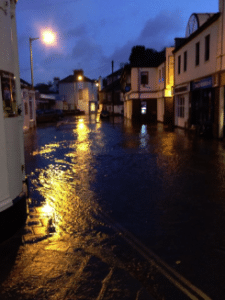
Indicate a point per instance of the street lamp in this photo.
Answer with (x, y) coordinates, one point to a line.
(31, 60)
(49, 38)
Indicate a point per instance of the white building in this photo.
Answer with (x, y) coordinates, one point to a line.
(200, 74)
(79, 92)
(12, 175)
(148, 89)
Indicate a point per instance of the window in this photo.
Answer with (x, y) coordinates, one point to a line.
(143, 107)
(144, 77)
(160, 75)
(80, 94)
(207, 47)
(179, 64)
(197, 50)
(180, 107)
(185, 61)
(163, 73)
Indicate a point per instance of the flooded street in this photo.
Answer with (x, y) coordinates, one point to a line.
(162, 190)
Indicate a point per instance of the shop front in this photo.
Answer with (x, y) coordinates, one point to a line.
(203, 106)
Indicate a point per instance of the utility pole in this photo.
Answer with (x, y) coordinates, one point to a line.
(112, 89)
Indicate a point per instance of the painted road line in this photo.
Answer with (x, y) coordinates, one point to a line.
(171, 274)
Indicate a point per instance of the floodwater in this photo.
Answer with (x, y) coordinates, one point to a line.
(166, 187)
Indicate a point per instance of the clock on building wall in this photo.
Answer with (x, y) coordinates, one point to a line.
(193, 24)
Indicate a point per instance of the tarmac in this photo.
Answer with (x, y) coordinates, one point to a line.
(37, 263)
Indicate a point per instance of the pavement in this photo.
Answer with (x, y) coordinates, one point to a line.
(37, 263)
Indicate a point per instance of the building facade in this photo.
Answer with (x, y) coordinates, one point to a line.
(79, 92)
(29, 105)
(12, 175)
(148, 90)
(200, 74)
(111, 96)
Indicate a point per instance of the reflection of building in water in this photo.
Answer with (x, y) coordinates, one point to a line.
(12, 196)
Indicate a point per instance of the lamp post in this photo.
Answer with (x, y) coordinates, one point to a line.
(31, 60)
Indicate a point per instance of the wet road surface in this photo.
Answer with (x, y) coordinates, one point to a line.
(139, 202)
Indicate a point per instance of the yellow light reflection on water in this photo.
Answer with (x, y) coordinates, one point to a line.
(66, 188)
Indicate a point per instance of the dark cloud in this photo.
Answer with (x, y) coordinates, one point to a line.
(77, 32)
(42, 5)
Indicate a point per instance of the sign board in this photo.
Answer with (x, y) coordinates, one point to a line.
(202, 84)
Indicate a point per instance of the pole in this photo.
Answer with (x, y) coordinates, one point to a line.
(31, 63)
(31, 60)
(112, 89)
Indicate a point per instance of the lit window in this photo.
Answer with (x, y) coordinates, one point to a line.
(143, 107)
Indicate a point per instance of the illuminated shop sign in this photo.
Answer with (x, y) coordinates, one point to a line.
(8, 94)
(202, 84)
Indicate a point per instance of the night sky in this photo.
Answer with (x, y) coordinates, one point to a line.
(90, 34)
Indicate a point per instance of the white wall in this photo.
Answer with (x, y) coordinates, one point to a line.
(205, 68)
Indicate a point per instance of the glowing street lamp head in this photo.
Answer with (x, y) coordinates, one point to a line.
(49, 37)
(80, 77)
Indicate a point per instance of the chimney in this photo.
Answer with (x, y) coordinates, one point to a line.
(77, 73)
(179, 42)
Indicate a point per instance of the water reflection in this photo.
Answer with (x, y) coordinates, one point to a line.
(65, 184)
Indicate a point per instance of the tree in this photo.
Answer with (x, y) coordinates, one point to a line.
(141, 57)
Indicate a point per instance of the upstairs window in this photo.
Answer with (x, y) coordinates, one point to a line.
(163, 73)
(207, 47)
(144, 77)
(179, 64)
(197, 51)
(80, 94)
(185, 61)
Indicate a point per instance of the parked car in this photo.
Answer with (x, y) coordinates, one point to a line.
(49, 115)
(104, 114)
(60, 113)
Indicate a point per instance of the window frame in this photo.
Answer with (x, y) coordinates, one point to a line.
(180, 106)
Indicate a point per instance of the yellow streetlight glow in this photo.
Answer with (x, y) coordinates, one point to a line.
(49, 37)
(80, 77)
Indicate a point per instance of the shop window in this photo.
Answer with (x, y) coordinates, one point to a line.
(144, 77)
(185, 61)
(8, 94)
(92, 108)
(207, 47)
(197, 51)
(179, 64)
(143, 107)
(180, 107)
